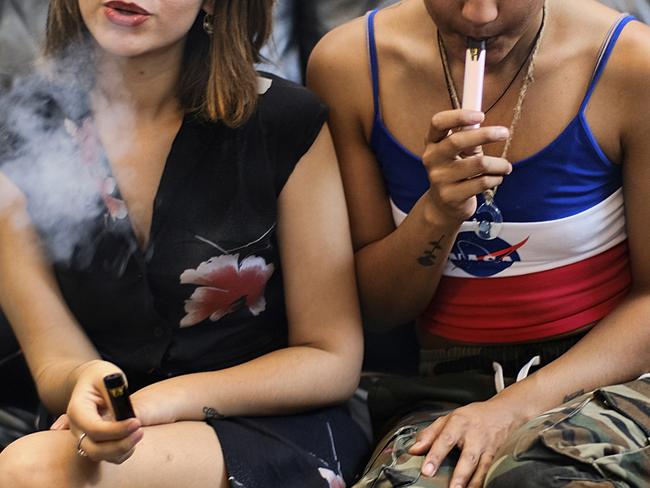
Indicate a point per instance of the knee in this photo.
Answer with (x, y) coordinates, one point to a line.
(17, 466)
(30, 463)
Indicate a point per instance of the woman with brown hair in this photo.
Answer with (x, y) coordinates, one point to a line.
(205, 256)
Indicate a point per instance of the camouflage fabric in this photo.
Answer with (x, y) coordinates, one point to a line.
(601, 439)
(392, 466)
(598, 440)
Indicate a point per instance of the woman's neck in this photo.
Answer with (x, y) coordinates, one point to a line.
(146, 85)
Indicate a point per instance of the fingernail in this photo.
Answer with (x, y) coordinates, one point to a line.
(57, 424)
(510, 169)
(429, 469)
(501, 132)
(133, 426)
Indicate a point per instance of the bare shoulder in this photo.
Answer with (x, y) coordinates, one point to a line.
(630, 57)
(627, 75)
(622, 89)
(339, 66)
(346, 46)
(344, 50)
(339, 58)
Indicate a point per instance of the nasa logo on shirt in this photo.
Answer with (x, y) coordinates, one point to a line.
(482, 258)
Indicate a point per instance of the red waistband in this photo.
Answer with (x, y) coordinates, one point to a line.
(532, 306)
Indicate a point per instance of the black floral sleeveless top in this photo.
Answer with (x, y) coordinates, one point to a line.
(207, 291)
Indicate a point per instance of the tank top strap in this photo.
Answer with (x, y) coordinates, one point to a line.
(604, 54)
(374, 64)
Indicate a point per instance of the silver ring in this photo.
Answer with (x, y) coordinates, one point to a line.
(80, 451)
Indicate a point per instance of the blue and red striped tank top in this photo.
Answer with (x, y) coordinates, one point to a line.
(556, 266)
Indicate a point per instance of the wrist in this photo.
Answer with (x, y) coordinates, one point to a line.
(434, 216)
(163, 402)
(525, 399)
(92, 367)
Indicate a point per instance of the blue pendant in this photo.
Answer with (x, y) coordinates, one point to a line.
(488, 220)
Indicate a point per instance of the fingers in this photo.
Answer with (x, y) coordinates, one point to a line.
(109, 430)
(124, 457)
(462, 142)
(426, 436)
(481, 471)
(115, 452)
(105, 439)
(444, 435)
(465, 169)
(457, 168)
(440, 449)
(443, 122)
(466, 468)
(465, 178)
(475, 186)
(85, 416)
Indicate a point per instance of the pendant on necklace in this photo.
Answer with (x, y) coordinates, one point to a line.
(488, 219)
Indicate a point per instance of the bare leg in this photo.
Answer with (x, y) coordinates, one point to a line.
(185, 454)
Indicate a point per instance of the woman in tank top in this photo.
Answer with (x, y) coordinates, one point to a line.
(563, 283)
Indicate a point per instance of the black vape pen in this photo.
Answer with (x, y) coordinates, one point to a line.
(118, 392)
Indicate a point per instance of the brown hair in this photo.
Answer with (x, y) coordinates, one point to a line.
(218, 79)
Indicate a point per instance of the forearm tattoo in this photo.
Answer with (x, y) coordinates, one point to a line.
(429, 257)
(212, 413)
(573, 396)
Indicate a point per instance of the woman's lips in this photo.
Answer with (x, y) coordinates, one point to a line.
(125, 14)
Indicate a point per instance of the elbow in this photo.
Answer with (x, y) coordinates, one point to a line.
(345, 376)
(352, 372)
(346, 385)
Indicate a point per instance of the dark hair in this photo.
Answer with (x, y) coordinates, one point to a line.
(218, 79)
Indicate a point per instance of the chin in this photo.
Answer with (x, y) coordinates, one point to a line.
(123, 46)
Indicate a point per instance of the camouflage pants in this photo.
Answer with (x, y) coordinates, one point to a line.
(599, 440)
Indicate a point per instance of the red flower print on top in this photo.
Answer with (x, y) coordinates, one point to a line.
(334, 480)
(225, 285)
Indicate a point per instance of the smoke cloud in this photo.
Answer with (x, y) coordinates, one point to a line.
(39, 117)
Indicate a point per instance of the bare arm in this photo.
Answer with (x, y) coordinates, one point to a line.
(321, 366)
(55, 347)
(616, 350)
(398, 268)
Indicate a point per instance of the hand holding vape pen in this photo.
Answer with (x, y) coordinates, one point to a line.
(474, 73)
(118, 393)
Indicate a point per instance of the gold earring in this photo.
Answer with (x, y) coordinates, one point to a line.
(207, 24)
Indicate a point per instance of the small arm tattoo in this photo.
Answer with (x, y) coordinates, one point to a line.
(212, 413)
(574, 395)
(429, 257)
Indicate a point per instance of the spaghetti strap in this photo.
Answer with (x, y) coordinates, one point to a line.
(374, 66)
(604, 54)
